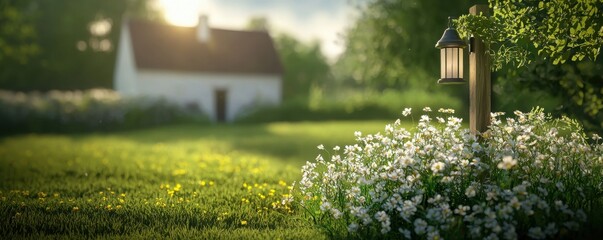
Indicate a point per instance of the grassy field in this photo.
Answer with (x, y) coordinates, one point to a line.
(221, 181)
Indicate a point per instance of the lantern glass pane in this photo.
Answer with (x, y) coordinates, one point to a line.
(443, 63)
(450, 62)
(460, 62)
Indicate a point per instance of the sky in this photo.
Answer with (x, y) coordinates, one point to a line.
(307, 20)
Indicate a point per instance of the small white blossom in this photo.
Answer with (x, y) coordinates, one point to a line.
(470, 191)
(358, 134)
(491, 196)
(560, 186)
(462, 210)
(536, 233)
(507, 163)
(406, 112)
(325, 206)
(438, 167)
(440, 120)
(405, 232)
(420, 226)
(321, 147)
(446, 110)
(336, 213)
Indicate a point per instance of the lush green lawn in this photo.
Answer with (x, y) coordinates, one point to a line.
(218, 181)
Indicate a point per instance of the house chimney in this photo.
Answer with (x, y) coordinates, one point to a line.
(203, 31)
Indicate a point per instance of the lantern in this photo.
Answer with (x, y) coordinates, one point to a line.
(451, 56)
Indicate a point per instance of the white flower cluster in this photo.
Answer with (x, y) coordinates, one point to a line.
(527, 176)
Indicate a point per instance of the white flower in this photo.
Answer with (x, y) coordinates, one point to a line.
(336, 148)
(420, 226)
(381, 216)
(447, 179)
(433, 234)
(514, 203)
(446, 110)
(536, 233)
(325, 206)
(426, 109)
(405, 232)
(507, 163)
(462, 210)
(440, 120)
(470, 191)
(560, 186)
(321, 147)
(406, 111)
(336, 213)
(490, 196)
(353, 227)
(437, 167)
(550, 229)
(357, 134)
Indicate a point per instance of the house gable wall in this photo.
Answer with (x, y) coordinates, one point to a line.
(124, 80)
(244, 92)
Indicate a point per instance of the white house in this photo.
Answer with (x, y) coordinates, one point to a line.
(223, 72)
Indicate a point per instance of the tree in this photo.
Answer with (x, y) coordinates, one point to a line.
(558, 30)
(392, 42)
(17, 41)
(304, 65)
(579, 84)
(76, 42)
(554, 43)
(259, 23)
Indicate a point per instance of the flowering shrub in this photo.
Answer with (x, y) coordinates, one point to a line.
(96, 109)
(528, 176)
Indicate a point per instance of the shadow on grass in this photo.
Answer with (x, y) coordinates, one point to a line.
(291, 142)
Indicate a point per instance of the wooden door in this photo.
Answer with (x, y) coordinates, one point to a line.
(220, 100)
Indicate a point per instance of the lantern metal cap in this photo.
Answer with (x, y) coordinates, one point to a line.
(450, 38)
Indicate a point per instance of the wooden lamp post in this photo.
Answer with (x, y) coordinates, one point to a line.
(479, 71)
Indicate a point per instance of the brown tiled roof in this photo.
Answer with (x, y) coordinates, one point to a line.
(160, 46)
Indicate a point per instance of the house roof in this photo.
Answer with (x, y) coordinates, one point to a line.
(160, 46)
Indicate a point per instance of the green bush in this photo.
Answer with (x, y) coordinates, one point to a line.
(350, 105)
(527, 176)
(91, 110)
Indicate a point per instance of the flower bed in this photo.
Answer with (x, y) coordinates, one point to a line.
(528, 176)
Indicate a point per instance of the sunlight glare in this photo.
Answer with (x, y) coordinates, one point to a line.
(180, 12)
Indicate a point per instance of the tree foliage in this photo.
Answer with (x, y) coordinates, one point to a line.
(304, 64)
(17, 39)
(392, 42)
(519, 31)
(74, 41)
(555, 43)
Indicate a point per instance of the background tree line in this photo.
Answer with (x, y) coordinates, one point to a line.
(62, 44)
